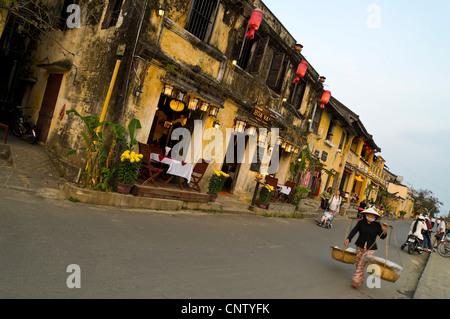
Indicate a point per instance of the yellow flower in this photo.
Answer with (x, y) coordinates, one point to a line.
(217, 172)
(224, 174)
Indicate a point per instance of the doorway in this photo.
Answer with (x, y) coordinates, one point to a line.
(170, 115)
(48, 106)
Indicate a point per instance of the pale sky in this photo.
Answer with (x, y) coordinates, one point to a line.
(389, 62)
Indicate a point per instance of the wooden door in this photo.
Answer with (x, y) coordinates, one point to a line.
(48, 106)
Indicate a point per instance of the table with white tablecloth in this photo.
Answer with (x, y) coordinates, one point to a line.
(176, 167)
(286, 190)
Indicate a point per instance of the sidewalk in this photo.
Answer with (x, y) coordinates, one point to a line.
(27, 167)
(435, 280)
(30, 169)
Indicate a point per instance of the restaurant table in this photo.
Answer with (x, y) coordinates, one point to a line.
(286, 190)
(176, 167)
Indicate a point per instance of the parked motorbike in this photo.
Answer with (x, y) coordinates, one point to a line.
(22, 125)
(414, 244)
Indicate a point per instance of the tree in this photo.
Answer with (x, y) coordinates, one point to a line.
(426, 202)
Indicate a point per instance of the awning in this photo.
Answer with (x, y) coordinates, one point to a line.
(60, 66)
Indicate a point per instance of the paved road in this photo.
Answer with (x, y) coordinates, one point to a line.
(141, 254)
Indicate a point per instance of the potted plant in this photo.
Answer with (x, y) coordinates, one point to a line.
(130, 163)
(216, 183)
(265, 195)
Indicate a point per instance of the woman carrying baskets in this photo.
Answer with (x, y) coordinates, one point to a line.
(369, 228)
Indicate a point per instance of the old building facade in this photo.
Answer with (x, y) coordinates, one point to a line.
(190, 64)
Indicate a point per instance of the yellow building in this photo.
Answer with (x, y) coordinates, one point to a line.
(192, 66)
(341, 141)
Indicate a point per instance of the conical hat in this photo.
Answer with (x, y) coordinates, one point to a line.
(370, 211)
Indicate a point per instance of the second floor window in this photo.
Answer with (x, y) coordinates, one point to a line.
(331, 130)
(298, 92)
(316, 119)
(276, 71)
(112, 13)
(202, 17)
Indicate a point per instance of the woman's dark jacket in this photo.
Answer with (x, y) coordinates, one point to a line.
(367, 234)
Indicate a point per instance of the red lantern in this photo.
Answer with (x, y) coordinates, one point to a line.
(301, 71)
(254, 23)
(325, 98)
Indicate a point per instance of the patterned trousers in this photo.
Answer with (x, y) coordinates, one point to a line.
(361, 254)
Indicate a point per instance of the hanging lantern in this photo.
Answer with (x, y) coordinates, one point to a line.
(325, 98)
(181, 95)
(240, 126)
(213, 111)
(254, 23)
(289, 148)
(251, 131)
(262, 137)
(204, 107)
(193, 102)
(168, 89)
(301, 71)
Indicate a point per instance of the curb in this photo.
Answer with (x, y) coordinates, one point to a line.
(431, 285)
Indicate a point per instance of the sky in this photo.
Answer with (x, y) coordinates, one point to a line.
(389, 62)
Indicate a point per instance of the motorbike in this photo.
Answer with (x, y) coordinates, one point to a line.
(22, 125)
(414, 245)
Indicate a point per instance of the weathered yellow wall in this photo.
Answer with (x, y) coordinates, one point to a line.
(3, 17)
(183, 51)
(335, 159)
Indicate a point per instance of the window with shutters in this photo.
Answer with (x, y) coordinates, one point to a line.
(298, 92)
(277, 68)
(201, 19)
(258, 56)
(331, 130)
(112, 13)
(316, 120)
(246, 51)
(341, 143)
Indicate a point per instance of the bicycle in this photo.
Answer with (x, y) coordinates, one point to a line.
(22, 125)
(444, 246)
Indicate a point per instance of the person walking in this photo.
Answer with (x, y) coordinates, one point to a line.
(440, 231)
(426, 244)
(362, 207)
(325, 197)
(369, 228)
(335, 202)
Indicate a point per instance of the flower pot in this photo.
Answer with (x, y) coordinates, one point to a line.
(262, 205)
(124, 188)
(212, 197)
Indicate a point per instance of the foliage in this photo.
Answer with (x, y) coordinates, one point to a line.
(217, 181)
(299, 191)
(98, 170)
(265, 194)
(130, 163)
(307, 162)
(402, 213)
(426, 203)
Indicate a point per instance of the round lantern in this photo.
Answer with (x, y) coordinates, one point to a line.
(301, 71)
(254, 23)
(325, 98)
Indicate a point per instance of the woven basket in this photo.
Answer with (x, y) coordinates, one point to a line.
(389, 271)
(343, 255)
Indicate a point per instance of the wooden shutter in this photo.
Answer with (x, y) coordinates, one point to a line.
(258, 55)
(298, 93)
(275, 71)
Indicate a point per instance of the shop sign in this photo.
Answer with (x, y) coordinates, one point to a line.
(262, 116)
